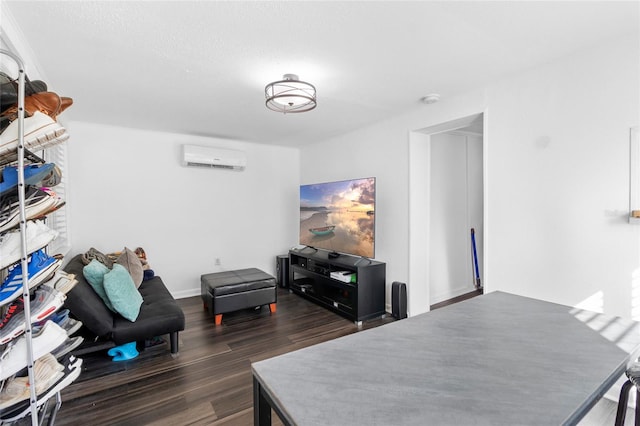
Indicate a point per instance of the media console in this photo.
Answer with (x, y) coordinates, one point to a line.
(352, 286)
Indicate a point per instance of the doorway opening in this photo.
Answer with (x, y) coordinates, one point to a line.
(447, 190)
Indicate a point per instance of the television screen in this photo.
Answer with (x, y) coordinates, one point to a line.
(339, 216)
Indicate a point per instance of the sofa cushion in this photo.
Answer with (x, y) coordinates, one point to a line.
(159, 314)
(132, 264)
(85, 304)
(94, 273)
(122, 292)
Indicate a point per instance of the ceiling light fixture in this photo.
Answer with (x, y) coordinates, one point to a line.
(290, 95)
(431, 98)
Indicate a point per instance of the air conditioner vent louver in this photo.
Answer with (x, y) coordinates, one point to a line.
(213, 158)
(210, 166)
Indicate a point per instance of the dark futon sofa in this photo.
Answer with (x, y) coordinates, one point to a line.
(159, 313)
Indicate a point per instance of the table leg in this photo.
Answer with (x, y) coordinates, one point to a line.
(261, 407)
(622, 403)
(637, 419)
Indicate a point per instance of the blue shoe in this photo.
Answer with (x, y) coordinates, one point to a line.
(39, 266)
(33, 174)
(124, 352)
(59, 317)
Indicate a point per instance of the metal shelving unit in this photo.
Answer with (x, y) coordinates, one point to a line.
(24, 252)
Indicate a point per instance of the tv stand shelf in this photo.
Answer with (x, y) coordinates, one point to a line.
(359, 299)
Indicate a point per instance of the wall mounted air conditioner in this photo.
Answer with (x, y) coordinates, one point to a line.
(210, 157)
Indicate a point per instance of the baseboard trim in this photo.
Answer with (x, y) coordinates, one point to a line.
(183, 294)
(451, 294)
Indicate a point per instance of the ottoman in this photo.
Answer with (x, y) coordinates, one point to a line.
(234, 290)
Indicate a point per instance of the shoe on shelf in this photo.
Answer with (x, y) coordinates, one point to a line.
(40, 132)
(69, 325)
(70, 344)
(38, 202)
(72, 367)
(33, 174)
(52, 179)
(39, 267)
(14, 357)
(59, 203)
(47, 372)
(14, 329)
(48, 103)
(12, 286)
(38, 235)
(9, 89)
(61, 318)
(42, 267)
(62, 281)
(15, 309)
(44, 304)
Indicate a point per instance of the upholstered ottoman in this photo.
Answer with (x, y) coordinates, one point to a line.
(234, 290)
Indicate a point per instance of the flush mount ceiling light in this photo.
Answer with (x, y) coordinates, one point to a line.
(431, 98)
(290, 95)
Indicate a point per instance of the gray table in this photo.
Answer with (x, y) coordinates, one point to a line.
(497, 359)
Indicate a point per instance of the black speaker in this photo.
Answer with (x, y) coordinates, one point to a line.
(282, 270)
(399, 300)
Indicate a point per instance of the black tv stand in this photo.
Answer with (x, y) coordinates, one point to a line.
(363, 259)
(345, 285)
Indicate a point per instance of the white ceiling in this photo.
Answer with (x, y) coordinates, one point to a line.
(200, 67)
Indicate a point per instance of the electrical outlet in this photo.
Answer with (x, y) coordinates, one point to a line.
(217, 261)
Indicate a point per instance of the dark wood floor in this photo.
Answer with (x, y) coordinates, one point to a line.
(210, 382)
(465, 296)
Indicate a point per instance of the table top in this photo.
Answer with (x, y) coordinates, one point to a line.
(497, 359)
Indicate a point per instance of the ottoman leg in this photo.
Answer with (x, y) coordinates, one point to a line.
(208, 303)
(218, 319)
(272, 307)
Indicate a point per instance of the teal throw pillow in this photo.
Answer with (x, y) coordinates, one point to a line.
(94, 273)
(122, 292)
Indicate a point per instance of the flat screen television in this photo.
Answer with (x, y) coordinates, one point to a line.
(339, 216)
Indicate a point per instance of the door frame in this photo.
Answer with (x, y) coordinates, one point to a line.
(418, 286)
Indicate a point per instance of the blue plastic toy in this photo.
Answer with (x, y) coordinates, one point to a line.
(124, 352)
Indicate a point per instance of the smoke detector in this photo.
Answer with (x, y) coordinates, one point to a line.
(431, 98)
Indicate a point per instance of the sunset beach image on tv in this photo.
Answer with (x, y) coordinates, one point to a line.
(339, 216)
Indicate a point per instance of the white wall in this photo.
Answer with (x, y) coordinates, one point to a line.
(556, 154)
(455, 207)
(127, 188)
(370, 155)
(559, 179)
